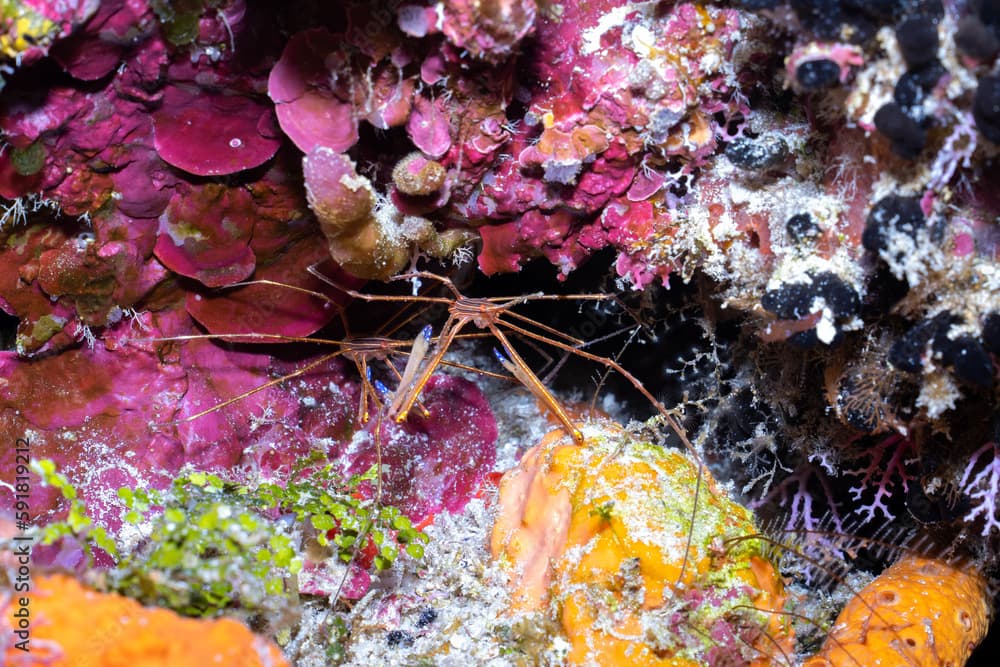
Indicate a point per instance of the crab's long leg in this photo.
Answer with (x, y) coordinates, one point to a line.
(615, 366)
(243, 338)
(547, 329)
(377, 297)
(271, 383)
(366, 389)
(523, 373)
(293, 288)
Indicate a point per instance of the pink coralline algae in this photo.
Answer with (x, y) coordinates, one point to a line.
(561, 155)
(283, 311)
(606, 114)
(183, 169)
(29, 28)
(146, 176)
(57, 280)
(213, 135)
(309, 112)
(115, 415)
(151, 104)
(87, 274)
(490, 30)
(429, 127)
(205, 234)
(438, 461)
(617, 122)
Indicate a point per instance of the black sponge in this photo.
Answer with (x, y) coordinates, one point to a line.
(986, 107)
(817, 74)
(906, 135)
(918, 40)
(974, 38)
(892, 214)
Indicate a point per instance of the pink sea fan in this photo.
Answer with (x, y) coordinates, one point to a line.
(886, 468)
(982, 484)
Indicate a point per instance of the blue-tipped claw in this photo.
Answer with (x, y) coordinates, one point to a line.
(382, 390)
(500, 357)
(427, 332)
(368, 373)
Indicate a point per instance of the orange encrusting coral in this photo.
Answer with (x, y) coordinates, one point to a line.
(598, 534)
(73, 626)
(921, 612)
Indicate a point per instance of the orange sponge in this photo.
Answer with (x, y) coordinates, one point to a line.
(919, 612)
(600, 535)
(73, 626)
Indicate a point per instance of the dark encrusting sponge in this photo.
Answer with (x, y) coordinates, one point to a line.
(891, 215)
(986, 107)
(918, 40)
(801, 228)
(757, 154)
(966, 356)
(817, 74)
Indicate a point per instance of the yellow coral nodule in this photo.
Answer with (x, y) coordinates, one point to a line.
(25, 29)
(604, 535)
(418, 176)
